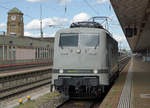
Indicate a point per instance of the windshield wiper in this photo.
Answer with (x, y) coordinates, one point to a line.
(61, 47)
(96, 45)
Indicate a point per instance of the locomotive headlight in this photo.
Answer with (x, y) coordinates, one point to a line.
(95, 71)
(78, 51)
(61, 71)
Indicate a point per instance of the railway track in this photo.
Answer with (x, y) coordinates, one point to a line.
(12, 85)
(11, 67)
(23, 88)
(78, 104)
(13, 91)
(123, 62)
(92, 103)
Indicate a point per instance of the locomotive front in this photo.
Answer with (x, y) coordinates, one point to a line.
(80, 67)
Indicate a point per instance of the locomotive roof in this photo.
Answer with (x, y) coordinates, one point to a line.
(87, 29)
(86, 24)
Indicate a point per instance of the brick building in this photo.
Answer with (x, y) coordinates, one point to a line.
(15, 46)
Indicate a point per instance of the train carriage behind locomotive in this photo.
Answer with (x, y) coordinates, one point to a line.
(85, 59)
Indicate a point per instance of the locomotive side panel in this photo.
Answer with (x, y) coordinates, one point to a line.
(112, 47)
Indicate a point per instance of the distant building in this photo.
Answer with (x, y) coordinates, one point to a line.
(15, 46)
(15, 24)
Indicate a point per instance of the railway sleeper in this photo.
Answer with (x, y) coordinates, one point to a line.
(23, 88)
(14, 87)
(11, 83)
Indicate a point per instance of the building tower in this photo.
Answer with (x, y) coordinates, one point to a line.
(15, 25)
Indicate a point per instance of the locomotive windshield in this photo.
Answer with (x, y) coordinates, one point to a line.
(89, 40)
(68, 40)
(72, 40)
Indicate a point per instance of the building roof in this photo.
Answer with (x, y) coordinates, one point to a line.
(15, 10)
(25, 42)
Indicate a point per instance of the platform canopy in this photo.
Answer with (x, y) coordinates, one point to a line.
(134, 17)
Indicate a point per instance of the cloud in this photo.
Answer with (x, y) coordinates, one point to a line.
(122, 42)
(35, 23)
(81, 17)
(119, 38)
(61, 2)
(53, 34)
(49, 35)
(101, 1)
(36, 0)
(30, 34)
(2, 25)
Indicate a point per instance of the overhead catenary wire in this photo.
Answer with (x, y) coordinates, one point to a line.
(90, 6)
(6, 8)
(7, 2)
(65, 7)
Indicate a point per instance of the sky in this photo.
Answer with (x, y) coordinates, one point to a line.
(60, 13)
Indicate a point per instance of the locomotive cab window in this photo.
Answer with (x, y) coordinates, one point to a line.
(89, 40)
(68, 40)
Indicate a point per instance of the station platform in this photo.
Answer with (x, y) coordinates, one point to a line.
(23, 71)
(132, 88)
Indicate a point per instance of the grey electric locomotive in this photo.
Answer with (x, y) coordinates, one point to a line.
(85, 60)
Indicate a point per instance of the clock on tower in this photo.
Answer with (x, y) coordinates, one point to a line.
(13, 17)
